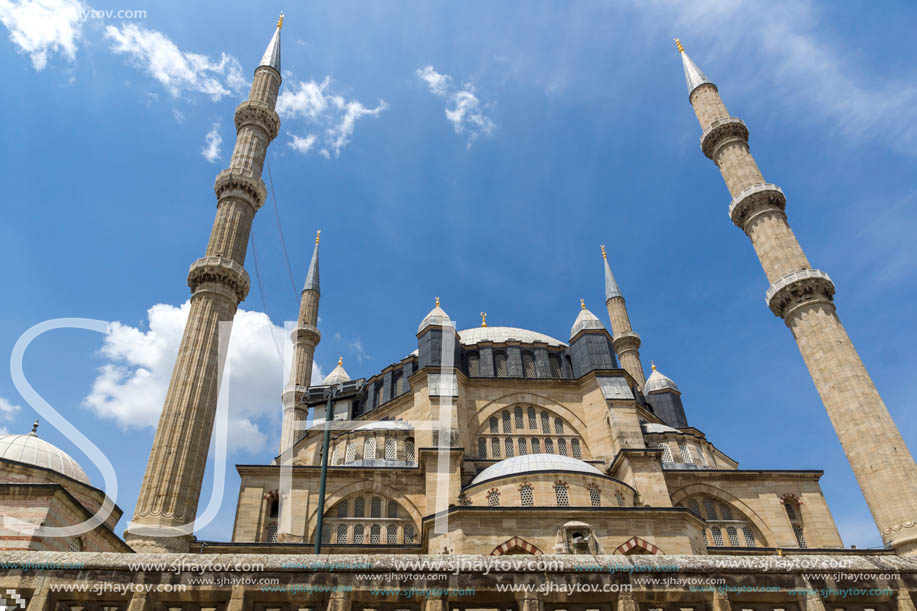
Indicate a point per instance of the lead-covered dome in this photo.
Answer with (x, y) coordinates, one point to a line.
(499, 335)
(658, 382)
(337, 376)
(585, 320)
(29, 449)
(437, 317)
(533, 463)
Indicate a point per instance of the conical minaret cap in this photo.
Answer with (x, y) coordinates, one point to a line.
(694, 78)
(312, 283)
(272, 53)
(659, 382)
(611, 287)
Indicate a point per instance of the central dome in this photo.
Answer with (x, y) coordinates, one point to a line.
(533, 463)
(499, 335)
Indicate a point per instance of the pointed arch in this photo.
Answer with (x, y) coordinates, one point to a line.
(517, 545)
(679, 496)
(636, 545)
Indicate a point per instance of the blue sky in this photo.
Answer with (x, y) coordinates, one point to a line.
(476, 151)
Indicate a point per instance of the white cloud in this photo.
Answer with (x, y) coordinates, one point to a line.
(43, 27)
(438, 83)
(176, 70)
(316, 105)
(7, 411)
(463, 108)
(131, 386)
(302, 145)
(179, 116)
(212, 143)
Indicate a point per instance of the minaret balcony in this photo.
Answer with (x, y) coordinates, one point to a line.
(260, 114)
(237, 185)
(753, 201)
(720, 132)
(219, 270)
(797, 288)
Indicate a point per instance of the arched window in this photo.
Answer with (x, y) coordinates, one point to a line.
(409, 450)
(76, 544)
(619, 498)
(342, 533)
(554, 362)
(733, 536)
(708, 507)
(693, 506)
(790, 511)
(326, 534)
(533, 423)
(517, 413)
(666, 453)
(545, 423)
(595, 496)
(474, 364)
(358, 507)
(563, 495)
(562, 447)
(392, 509)
(342, 509)
(369, 449)
(391, 450)
(493, 498)
(358, 534)
(375, 507)
(391, 534)
(500, 364)
(375, 535)
(577, 452)
(351, 454)
(800, 536)
(685, 453)
(508, 444)
(536, 446)
(398, 383)
(495, 448)
(726, 511)
(493, 425)
(528, 364)
(717, 536)
(507, 425)
(558, 426)
(525, 495)
(357, 408)
(409, 533)
(482, 447)
(549, 446)
(522, 449)
(749, 536)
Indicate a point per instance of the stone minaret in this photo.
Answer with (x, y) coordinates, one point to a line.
(172, 483)
(625, 342)
(305, 338)
(803, 297)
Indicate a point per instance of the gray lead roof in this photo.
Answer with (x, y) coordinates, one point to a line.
(312, 275)
(611, 287)
(272, 53)
(694, 78)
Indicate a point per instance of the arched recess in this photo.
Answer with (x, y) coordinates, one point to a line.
(635, 546)
(719, 494)
(368, 488)
(515, 546)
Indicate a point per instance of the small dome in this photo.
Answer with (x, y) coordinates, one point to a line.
(585, 320)
(31, 450)
(437, 316)
(385, 425)
(499, 335)
(337, 375)
(658, 382)
(533, 463)
(652, 427)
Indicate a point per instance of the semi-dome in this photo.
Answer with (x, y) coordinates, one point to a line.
(658, 382)
(534, 463)
(585, 320)
(437, 316)
(337, 375)
(499, 335)
(29, 449)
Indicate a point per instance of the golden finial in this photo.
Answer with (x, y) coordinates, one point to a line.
(340, 361)
(604, 256)
(280, 22)
(681, 49)
(653, 365)
(437, 302)
(483, 319)
(318, 234)
(582, 304)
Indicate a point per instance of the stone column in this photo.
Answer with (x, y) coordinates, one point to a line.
(803, 297)
(175, 470)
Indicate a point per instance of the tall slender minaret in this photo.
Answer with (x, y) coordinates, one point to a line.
(803, 297)
(172, 483)
(305, 338)
(625, 342)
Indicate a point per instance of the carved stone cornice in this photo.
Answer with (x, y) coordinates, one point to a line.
(796, 288)
(720, 132)
(292, 396)
(627, 341)
(240, 186)
(260, 114)
(886, 533)
(305, 333)
(755, 200)
(221, 271)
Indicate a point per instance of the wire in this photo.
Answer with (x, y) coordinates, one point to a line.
(283, 243)
(270, 323)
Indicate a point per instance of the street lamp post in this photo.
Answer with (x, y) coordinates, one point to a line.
(326, 441)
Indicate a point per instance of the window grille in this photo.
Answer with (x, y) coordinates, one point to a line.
(474, 364)
(508, 444)
(507, 427)
(518, 416)
(711, 511)
(391, 450)
(549, 446)
(619, 498)
(358, 507)
(409, 533)
(558, 426)
(800, 536)
(342, 533)
(375, 535)
(351, 454)
(336, 456)
(326, 534)
(76, 544)
(523, 450)
(693, 506)
(358, 534)
(536, 446)
(482, 447)
(493, 498)
(577, 452)
(369, 449)
(555, 366)
(595, 497)
(685, 454)
(500, 364)
(562, 447)
(790, 511)
(392, 509)
(545, 423)
(717, 536)
(375, 507)
(409, 450)
(563, 495)
(733, 536)
(399, 384)
(704, 532)
(528, 364)
(493, 425)
(749, 536)
(525, 494)
(391, 535)
(726, 510)
(533, 423)
(666, 453)
(342, 509)
(271, 535)
(495, 448)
